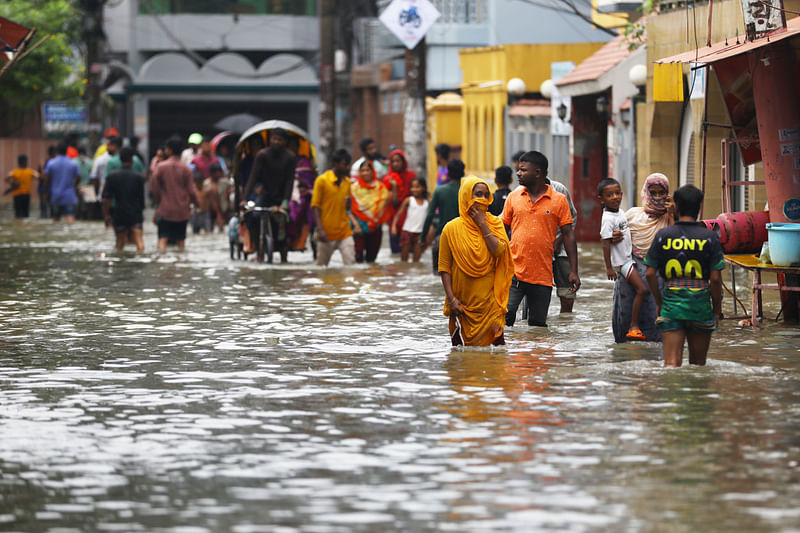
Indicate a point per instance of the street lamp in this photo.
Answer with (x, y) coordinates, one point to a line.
(515, 87)
(562, 111)
(546, 88)
(516, 90)
(638, 75)
(601, 106)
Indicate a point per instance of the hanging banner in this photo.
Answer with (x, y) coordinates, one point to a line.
(410, 20)
(736, 83)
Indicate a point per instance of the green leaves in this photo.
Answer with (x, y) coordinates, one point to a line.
(54, 70)
(635, 32)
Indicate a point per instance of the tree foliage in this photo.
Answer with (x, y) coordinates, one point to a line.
(54, 70)
(636, 32)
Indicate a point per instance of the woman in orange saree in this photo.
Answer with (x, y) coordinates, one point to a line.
(369, 210)
(476, 268)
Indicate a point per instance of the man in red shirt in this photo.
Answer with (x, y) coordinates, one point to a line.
(173, 189)
(534, 212)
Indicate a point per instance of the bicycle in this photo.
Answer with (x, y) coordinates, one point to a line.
(266, 241)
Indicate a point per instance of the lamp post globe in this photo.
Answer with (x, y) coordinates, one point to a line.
(515, 87)
(638, 75)
(546, 88)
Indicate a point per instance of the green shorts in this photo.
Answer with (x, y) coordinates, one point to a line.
(669, 324)
(686, 309)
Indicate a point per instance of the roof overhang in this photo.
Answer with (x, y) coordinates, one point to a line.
(530, 108)
(613, 76)
(734, 47)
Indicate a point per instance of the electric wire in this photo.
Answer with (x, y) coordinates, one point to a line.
(767, 4)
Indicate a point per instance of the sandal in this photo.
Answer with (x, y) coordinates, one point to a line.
(636, 334)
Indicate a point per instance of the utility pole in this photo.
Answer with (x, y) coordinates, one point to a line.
(95, 39)
(327, 87)
(414, 128)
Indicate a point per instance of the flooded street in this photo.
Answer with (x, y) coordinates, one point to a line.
(185, 392)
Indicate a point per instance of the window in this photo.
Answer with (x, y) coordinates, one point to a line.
(385, 102)
(462, 11)
(396, 102)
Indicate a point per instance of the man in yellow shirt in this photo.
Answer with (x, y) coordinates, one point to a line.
(19, 181)
(329, 205)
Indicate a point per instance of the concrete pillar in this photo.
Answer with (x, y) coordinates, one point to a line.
(499, 129)
(481, 144)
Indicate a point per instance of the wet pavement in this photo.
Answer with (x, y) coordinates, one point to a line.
(185, 392)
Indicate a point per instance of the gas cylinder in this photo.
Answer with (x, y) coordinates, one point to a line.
(742, 232)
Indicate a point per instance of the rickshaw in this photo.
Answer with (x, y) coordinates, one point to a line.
(298, 226)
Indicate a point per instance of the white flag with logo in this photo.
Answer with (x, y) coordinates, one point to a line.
(410, 20)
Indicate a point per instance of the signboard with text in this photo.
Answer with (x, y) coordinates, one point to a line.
(61, 118)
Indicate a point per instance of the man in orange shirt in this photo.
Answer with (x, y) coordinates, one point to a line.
(19, 181)
(534, 213)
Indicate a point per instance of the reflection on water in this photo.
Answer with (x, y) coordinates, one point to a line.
(187, 392)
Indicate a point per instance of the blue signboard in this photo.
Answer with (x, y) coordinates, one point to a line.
(61, 118)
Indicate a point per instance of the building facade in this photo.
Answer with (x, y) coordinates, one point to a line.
(190, 63)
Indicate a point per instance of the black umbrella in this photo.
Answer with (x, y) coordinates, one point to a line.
(238, 123)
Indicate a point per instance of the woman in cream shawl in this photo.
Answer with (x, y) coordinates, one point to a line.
(476, 268)
(656, 212)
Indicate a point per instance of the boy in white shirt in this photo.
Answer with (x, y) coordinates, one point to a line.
(617, 255)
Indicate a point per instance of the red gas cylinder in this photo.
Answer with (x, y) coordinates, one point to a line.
(741, 232)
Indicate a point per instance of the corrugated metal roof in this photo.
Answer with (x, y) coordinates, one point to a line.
(598, 63)
(733, 47)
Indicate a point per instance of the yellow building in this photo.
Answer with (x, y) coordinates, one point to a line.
(444, 126)
(486, 71)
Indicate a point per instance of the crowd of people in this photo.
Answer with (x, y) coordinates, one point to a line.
(492, 250)
(495, 251)
(185, 184)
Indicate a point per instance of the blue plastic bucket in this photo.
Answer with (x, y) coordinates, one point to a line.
(784, 243)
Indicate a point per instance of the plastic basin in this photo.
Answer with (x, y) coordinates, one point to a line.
(784, 243)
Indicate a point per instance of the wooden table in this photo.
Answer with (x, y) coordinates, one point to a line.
(752, 263)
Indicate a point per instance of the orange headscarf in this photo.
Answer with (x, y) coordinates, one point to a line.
(468, 246)
(369, 200)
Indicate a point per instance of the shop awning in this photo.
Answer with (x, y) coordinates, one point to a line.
(733, 46)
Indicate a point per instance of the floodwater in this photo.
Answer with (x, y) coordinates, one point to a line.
(185, 392)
